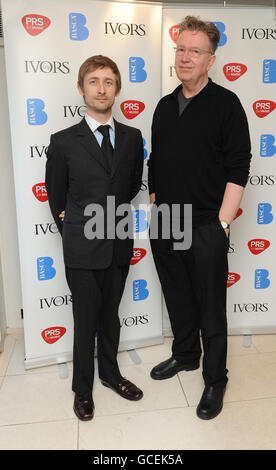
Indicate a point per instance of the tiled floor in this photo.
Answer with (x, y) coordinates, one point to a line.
(36, 405)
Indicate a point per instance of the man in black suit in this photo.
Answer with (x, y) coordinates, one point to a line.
(87, 163)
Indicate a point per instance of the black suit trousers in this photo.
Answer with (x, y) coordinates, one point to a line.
(194, 284)
(96, 295)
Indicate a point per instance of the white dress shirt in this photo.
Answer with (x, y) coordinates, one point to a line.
(93, 124)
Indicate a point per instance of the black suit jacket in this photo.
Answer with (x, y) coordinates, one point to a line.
(77, 175)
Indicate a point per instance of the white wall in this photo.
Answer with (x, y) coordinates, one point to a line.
(8, 226)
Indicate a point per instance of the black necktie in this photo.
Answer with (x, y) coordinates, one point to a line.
(106, 144)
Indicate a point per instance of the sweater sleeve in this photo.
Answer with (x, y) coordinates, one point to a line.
(236, 144)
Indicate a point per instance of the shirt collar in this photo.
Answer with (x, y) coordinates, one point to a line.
(209, 89)
(93, 124)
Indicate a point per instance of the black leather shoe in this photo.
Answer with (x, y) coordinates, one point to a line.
(170, 367)
(83, 407)
(211, 402)
(125, 389)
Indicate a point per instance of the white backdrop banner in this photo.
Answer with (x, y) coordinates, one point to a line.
(45, 44)
(246, 64)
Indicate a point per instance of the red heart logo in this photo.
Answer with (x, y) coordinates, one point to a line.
(132, 108)
(53, 334)
(138, 254)
(39, 190)
(174, 32)
(258, 245)
(234, 70)
(232, 279)
(263, 107)
(34, 24)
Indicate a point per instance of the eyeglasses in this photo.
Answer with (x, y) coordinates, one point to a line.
(193, 52)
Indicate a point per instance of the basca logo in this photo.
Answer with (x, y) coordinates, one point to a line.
(262, 180)
(138, 254)
(39, 191)
(221, 28)
(53, 334)
(77, 29)
(124, 29)
(134, 321)
(45, 268)
(57, 301)
(145, 150)
(234, 70)
(139, 290)
(232, 279)
(36, 115)
(269, 71)
(258, 245)
(131, 108)
(137, 72)
(264, 215)
(46, 66)
(258, 33)
(35, 24)
(267, 147)
(140, 223)
(252, 307)
(261, 279)
(263, 107)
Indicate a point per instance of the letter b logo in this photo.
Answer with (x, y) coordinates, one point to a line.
(77, 30)
(221, 28)
(137, 72)
(36, 115)
(267, 147)
(140, 291)
(45, 268)
(140, 223)
(261, 279)
(265, 215)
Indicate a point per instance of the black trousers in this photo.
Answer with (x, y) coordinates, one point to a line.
(194, 284)
(96, 295)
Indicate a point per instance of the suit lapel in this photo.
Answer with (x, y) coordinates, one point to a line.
(90, 143)
(120, 141)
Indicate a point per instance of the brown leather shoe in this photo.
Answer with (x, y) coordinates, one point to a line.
(84, 407)
(126, 389)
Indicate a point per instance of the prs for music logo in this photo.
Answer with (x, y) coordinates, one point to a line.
(53, 334)
(232, 279)
(35, 24)
(234, 70)
(138, 254)
(263, 107)
(131, 108)
(258, 245)
(39, 191)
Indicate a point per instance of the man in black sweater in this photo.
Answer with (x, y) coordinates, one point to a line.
(200, 156)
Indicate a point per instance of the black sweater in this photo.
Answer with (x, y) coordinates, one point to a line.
(194, 155)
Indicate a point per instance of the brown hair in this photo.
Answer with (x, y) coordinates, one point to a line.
(193, 23)
(95, 62)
